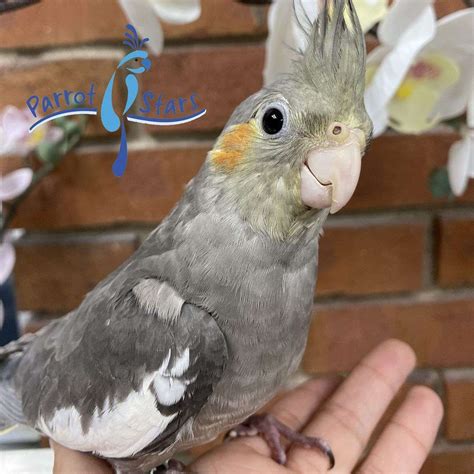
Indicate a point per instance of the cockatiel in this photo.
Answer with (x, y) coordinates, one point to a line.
(205, 322)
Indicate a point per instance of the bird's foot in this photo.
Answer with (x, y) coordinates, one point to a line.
(172, 466)
(271, 430)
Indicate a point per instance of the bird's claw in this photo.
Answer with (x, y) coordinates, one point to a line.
(271, 430)
(172, 466)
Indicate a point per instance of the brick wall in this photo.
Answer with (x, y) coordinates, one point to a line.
(395, 263)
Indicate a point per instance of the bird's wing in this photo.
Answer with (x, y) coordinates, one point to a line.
(11, 410)
(120, 374)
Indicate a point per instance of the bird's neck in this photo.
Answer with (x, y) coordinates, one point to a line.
(266, 211)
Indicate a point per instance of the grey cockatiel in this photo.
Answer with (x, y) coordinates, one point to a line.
(206, 321)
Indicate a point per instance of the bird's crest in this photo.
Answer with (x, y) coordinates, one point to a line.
(132, 40)
(335, 45)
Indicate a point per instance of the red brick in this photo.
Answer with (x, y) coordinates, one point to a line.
(371, 258)
(440, 332)
(459, 389)
(46, 77)
(55, 276)
(445, 7)
(456, 251)
(396, 171)
(451, 461)
(221, 19)
(62, 22)
(220, 76)
(84, 192)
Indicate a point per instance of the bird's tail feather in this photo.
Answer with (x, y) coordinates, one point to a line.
(11, 411)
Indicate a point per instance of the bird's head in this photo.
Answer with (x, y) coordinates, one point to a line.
(292, 152)
(137, 60)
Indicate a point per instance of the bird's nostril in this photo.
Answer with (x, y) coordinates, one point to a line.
(338, 132)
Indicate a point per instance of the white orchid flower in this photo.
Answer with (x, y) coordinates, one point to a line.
(15, 138)
(421, 73)
(145, 15)
(11, 186)
(15, 183)
(285, 36)
(461, 154)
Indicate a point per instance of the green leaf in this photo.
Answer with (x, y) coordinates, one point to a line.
(71, 127)
(72, 131)
(439, 184)
(457, 123)
(50, 152)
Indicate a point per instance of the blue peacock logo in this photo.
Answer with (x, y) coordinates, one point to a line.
(155, 108)
(136, 62)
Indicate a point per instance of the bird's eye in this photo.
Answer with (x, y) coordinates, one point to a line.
(274, 119)
(136, 60)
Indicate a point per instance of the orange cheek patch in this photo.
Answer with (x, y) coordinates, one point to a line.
(231, 148)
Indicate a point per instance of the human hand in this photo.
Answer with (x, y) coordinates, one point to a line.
(343, 414)
(67, 461)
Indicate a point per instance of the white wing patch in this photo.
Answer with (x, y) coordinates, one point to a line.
(158, 297)
(124, 428)
(169, 389)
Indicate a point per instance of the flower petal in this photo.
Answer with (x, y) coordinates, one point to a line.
(7, 261)
(12, 235)
(14, 183)
(454, 40)
(14, 131)
(370, 12)
(177, 12)
(401, 17)
(408, 35)
(285, 37)
(54, 134)
(461, 155)
(470, 107)
(15, 124)
(141, 14)
(412, 115)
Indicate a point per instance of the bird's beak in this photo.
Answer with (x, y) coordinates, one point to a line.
(330, 174)
(146, 63)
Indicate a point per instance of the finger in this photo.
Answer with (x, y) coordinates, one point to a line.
(348, 418)
(408, 437)
(67, 461)
(295, 408)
